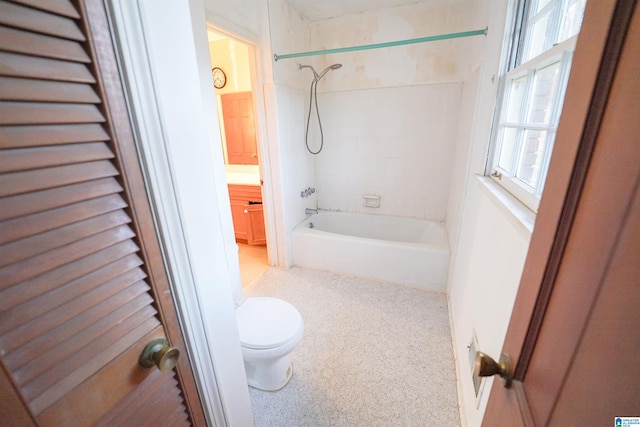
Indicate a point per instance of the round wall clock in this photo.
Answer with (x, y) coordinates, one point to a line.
(219, 77)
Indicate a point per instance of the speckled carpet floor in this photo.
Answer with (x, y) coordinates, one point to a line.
(372, 354)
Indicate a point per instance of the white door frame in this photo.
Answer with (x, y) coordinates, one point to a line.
(258, 99)
(160, 45)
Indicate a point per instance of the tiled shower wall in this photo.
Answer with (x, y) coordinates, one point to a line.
(390, 115)
(395, 142)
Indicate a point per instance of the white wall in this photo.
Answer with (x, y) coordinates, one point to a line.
(296, 166)
(488, 246)
(289, 33)
(483, 285)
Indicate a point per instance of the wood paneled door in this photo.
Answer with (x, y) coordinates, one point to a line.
(239, 128)
(83, 286)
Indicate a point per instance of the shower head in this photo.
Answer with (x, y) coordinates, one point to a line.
(326, 70)
(316, 76)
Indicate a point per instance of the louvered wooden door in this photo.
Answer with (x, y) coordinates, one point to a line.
(82, 284)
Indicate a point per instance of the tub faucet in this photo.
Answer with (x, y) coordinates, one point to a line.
(309, 211)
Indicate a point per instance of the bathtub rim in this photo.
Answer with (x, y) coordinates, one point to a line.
(441, 244)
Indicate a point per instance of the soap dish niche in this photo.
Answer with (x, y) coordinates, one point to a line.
(371, 201)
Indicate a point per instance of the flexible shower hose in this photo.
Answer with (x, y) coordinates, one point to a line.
(313, 95)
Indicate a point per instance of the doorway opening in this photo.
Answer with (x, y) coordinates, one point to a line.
(234, 77)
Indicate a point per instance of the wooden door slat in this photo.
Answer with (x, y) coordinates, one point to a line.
(164, 401)
(122, 376)
(20, 41)
(15, 89)
(126, 408)
(183, 421)
(174, 405)
(33, 267)
(12, 408)
(86, 325)
(33, 308)
(179, 418)
(28, 350)
(26, 248)
(60, 7)
(32, 136)
(102, 355)
(16, 159)
(24, 182)
(56, 364)
(27, 204)
(41, 222)
(34, 113)
(38, 21)
(19, 336)
(53, 279)
(17, 65)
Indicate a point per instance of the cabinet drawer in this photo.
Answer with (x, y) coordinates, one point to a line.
(250, 193)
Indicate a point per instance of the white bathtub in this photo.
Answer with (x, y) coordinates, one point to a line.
(406, 251)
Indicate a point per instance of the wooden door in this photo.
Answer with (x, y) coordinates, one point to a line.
(574, 330)
(238, 216)
(239, 128)
(83, 287)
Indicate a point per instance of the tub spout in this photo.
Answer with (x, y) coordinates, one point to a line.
(310, 211)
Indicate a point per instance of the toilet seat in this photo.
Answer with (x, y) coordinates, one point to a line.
(265, 323)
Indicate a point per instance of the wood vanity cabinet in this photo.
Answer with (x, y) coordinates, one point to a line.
(247, 214)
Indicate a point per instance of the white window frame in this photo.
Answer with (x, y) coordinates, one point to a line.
(527, 193)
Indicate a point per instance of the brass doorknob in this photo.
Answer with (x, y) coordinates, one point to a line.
(485, 366)
(159, 353)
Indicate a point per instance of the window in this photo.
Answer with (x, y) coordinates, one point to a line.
(533, 87)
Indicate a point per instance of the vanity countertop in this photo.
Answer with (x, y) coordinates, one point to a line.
(235, 178)
(243, 174)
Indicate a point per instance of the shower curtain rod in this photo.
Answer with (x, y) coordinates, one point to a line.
(380, 45)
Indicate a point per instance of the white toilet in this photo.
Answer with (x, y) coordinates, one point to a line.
(269, 329)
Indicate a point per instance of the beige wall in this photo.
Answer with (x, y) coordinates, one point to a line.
(232, 57)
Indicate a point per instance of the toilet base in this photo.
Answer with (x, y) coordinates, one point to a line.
(269, 375)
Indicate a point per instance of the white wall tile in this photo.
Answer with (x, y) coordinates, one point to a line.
(399, 146)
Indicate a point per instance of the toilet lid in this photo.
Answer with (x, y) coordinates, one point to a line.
(267, 322)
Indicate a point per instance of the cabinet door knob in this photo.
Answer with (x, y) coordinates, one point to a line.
(246, 211)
